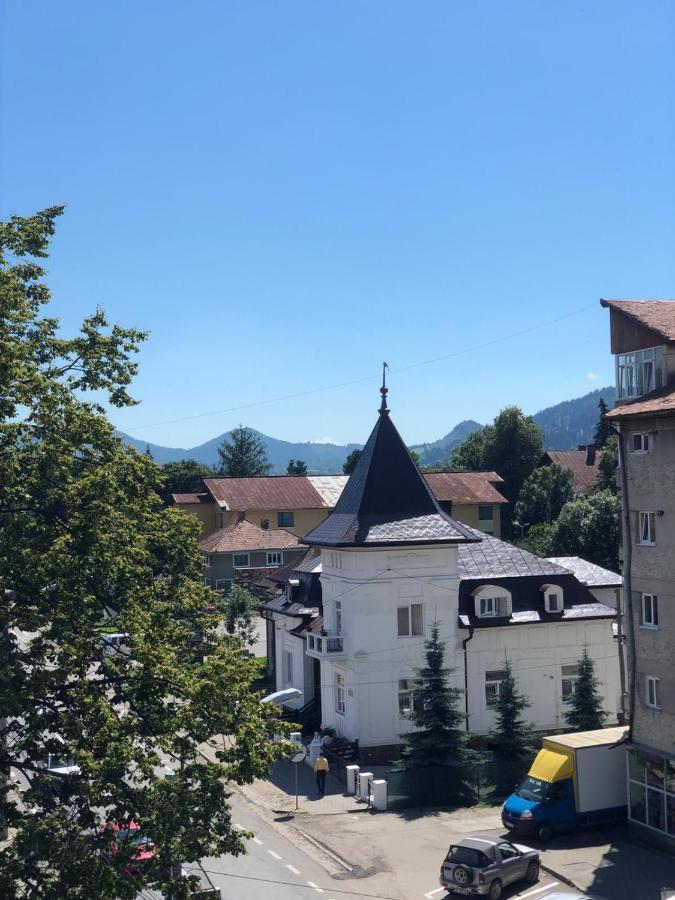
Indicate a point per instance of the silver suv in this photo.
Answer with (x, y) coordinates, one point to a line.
(482, 865)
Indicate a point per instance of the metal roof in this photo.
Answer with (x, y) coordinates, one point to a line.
(587, 572)
(267, 492)
(494, 558)
(465, 487)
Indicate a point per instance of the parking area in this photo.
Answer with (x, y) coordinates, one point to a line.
(546, 883)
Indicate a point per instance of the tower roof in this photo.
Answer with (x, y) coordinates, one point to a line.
(386, 501)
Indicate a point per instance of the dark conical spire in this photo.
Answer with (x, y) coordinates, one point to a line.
(386, 500)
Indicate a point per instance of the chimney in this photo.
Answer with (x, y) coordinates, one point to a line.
(590, 455)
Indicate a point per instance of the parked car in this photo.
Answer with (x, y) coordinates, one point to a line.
(114, 644)
(481, 865)
(142, 846)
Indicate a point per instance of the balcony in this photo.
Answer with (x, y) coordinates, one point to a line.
(325, 646)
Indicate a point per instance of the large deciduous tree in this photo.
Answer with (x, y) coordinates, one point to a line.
(543, 494)
(186, 476)
(85, 539)
(242, 454)
(589, 527)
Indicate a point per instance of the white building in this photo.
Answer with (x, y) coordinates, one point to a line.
(391, 563)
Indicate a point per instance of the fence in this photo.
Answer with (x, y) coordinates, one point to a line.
(480, 777)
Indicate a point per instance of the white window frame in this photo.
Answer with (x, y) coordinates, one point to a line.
(278, 561)
(570, 677)
(642, 439)
(652, 692)
(406, 697)
(207, 582)
(647, 529)
(553, 590)
(494, 678)
(650, 611)
(286, 512)
(492, 602)
(642, 372)
(240, 565)
(224, 585)
(288, 667)
(412, 621)
(340, 693)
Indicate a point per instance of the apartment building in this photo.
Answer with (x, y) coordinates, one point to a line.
(643, 343)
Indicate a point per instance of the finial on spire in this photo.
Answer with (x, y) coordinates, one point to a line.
(384, 390)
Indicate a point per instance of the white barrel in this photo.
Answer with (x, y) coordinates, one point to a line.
(352, 777)
(379, 794)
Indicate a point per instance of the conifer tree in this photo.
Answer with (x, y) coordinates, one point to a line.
(242, 454)
(604, 429)
(512, 736)
(296, 467)
(585, 712)
(440, 738)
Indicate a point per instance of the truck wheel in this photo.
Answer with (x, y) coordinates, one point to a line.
(532, 873)
(544, 832)
(495, 890)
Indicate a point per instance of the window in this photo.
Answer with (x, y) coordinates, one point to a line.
(493, 686)
(652, 692)
(274, 558)
(638, 373)
(285, 519)
(569, 678)
(340, 693)
(406, 697)
(337, 617)
(288, 667)
(224, 585)
(493, 606)
(207, 582)
(639, 442)
(410, 620)
(647, 528)
(485, 513)
(240, 560)
(650, 611)
(553, 599)
(205, 559)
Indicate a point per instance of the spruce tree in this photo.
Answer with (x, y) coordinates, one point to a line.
(440, 738)
(296, 467)
(585, 712)
(242, 454)
(512, 736)
(604, 429)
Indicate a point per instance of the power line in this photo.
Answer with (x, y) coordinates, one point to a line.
(361, 380)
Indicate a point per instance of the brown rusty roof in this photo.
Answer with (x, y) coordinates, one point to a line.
(266, 492)
(244, 536)
(190, 498)
(465, 487)
(658, 315)
(583, 475)
(657, 403)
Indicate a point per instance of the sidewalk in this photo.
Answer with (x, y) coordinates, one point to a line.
(278, 793)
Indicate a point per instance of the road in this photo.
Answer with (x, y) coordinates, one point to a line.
(275, 868)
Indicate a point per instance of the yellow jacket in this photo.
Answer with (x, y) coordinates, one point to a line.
(321, 764)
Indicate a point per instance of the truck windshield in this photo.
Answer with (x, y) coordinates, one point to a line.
(533, 789)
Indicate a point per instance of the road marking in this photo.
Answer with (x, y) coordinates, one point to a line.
(316, 887)
(293, 869)
(538, 890)
(257, 841)
(433, 893)
(275, 855)
(238, 826)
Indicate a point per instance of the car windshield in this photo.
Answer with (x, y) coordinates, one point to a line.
(134, 835)
(533, 788)
(467, 856)
(61, 762)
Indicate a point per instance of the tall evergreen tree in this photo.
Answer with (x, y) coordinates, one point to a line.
(296, 467)
(512, 736)
(586, 712)
(440, 739)
(350, 463)
(605, 427)
(242, 454)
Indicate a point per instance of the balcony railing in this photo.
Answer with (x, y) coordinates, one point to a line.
(324, 644)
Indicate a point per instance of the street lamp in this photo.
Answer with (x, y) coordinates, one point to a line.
(522, 528)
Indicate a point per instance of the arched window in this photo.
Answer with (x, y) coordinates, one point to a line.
(492, 601)
(554, 599)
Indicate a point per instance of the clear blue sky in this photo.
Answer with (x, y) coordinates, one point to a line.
(287, 193)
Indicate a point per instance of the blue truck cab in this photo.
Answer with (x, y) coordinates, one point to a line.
(576, 779)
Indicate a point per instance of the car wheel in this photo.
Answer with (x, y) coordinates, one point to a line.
(495, 890)
(544, 832)
(532, 873)
(462, 875)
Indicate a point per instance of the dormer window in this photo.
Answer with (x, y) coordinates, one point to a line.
(553, 598)
(492, 602)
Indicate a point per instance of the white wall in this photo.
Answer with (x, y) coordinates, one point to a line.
(537, 653)
(286, 641)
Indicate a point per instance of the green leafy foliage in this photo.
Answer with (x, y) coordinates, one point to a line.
(85, 539)
(296, 467)
(440, 739)
(585, 711)
(539, 539)
(351, 461)
(242, 454)
(589, 527)
(183, 477)
(544, 493)
(607, 464)
(239, 608)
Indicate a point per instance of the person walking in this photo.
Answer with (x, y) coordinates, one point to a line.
(320, 768)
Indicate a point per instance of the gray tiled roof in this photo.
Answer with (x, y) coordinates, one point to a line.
(493, 558)
(587, 572)
(531, 616)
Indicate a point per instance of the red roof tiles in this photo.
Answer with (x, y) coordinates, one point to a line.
(465, 487)
(583, 475)
(658, 403)
(245, 536)
(658, 315)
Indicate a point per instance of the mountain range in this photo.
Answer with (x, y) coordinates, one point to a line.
(565, 425)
